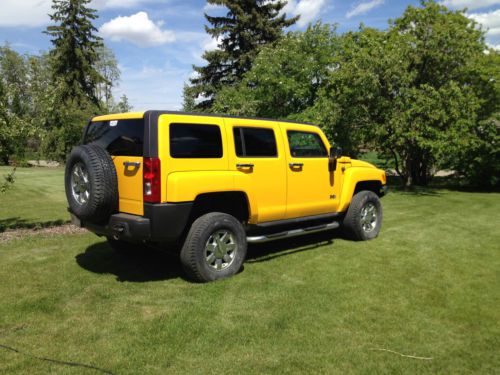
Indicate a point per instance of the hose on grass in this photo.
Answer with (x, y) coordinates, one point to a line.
(56, 361)
(402, 355)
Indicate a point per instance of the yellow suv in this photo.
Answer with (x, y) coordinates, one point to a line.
(215, 183)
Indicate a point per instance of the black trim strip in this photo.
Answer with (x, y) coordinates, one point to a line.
(296, 220)
(151, 134)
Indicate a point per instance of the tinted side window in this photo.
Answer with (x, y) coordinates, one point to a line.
(304, 144)
(195, 141)
(256, 142)
(119, 138)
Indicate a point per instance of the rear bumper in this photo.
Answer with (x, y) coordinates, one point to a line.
(161, 222)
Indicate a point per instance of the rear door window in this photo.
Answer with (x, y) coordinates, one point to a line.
(118, 137)
(255, 142)
(194, 141)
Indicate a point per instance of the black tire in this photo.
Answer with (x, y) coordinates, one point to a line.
(126, 248)
(353, 223)
(196, 263)
(102, 183)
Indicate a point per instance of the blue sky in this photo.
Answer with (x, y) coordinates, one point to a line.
(156, 42)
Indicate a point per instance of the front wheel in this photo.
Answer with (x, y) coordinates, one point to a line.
(215, 247)
(364, 216)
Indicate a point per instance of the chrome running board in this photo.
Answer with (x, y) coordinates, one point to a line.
(292, 233)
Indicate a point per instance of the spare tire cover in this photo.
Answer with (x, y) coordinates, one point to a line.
(91, 183)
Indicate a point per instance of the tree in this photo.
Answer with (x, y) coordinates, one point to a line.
(288, 79)
(247, 26)
(423, 93)
(437, 103)
(75, 53)
(122, 106)
(107, 66)
(14, 103)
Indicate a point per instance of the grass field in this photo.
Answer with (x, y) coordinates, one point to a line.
(35, 200)
(428, 287)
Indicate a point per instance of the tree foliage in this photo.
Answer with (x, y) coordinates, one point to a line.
(247, 26)
(75, 53)
(422, 93)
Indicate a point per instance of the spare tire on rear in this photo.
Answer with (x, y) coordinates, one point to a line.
(91, 183)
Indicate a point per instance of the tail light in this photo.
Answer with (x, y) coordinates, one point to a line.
(152, 180)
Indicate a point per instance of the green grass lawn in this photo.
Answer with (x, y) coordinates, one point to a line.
(429, 286)
(35, 200)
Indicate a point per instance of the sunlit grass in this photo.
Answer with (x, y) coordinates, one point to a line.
(429, 287)
(36, 199)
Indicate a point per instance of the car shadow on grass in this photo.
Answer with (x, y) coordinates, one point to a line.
(275, 249)
(156, 265)
(148, 265)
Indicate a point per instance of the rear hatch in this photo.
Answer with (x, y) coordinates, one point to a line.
(123, 139)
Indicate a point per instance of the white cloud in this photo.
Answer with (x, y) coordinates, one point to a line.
(494, 46)
(211, 44)
(31, 13)
(470, 4)
(138, 29)
(211, 7)
(489, 20)
(363, 8)
(35, 13)
(308, 10)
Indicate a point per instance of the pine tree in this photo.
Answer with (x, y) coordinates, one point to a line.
(75, 49)
(248, 25)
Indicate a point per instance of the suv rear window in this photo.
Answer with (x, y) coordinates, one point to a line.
(119, 138)
(255, 142)
(193, 141)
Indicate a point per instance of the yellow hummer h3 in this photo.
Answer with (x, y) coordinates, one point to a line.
(214, 183)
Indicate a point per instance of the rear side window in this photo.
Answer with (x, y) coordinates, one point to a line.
(255, 142)
(119, 137)
(193, 141)
(306, 145)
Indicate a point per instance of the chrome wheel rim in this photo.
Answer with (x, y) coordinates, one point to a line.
(369, 217)
(221, 249)
(80, 184)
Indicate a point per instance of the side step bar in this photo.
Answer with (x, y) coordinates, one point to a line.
(292, 233)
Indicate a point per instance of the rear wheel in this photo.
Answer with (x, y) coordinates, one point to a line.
(364, 216)
(215, 247)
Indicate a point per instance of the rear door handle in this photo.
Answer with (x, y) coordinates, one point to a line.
(241, 166)
(296, 165)
(135, 164)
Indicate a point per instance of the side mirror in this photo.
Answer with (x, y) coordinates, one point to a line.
(338, 152)
(335, 153)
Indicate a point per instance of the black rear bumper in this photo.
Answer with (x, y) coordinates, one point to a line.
(161, 222)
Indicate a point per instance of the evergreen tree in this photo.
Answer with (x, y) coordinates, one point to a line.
(75, 49)
(248, 25)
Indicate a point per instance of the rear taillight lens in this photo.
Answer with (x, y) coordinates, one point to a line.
(152, 180)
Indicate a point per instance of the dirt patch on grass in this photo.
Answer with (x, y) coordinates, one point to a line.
(13, 234)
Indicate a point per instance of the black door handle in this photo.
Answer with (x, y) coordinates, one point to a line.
(134, 164)
(296, 165)
(248, 165)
